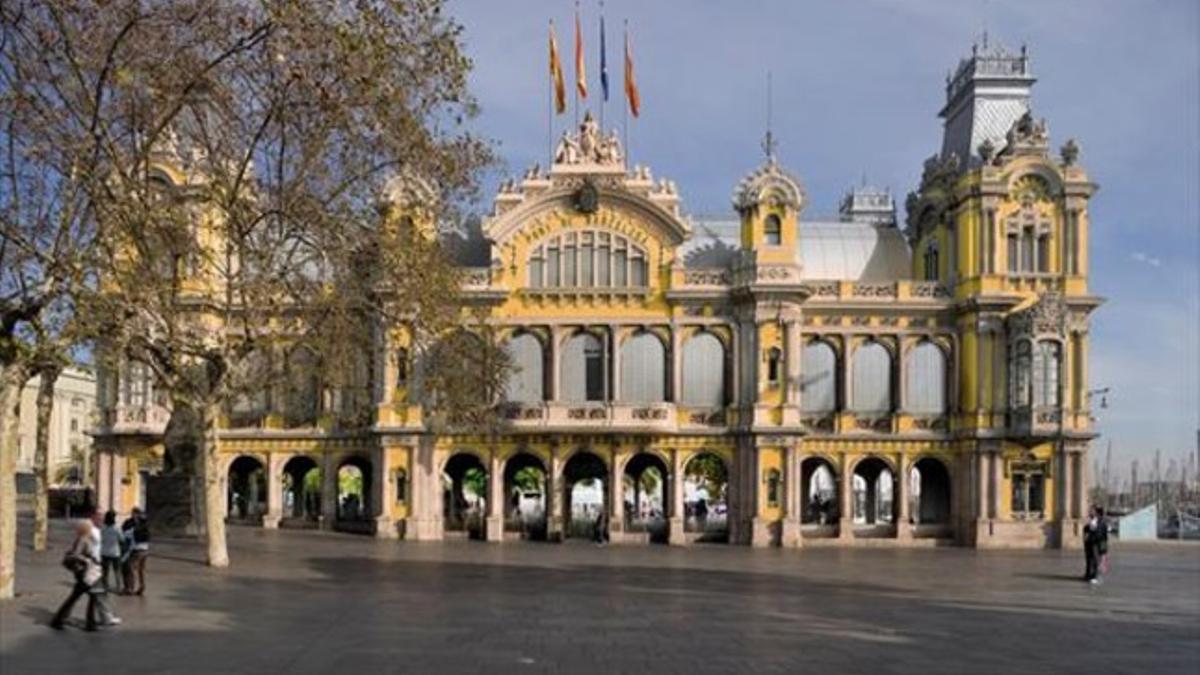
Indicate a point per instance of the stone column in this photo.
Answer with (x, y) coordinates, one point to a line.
(675, 527)
(793, 503)
(845, 501)
(614, 389)
(328, 491)
(495, 500)
(555, 363)
(274, 469)
(554, 497)
(791, 345)
(901, 492)
(676, 360)
(383, 494)
(735, 359)
(616, 495)
(995, 481)
(982, 479)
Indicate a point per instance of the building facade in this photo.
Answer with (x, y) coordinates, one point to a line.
(71, 421)
(763, 379)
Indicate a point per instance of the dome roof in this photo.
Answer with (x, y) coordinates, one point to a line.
(769, 183)
(851, 251)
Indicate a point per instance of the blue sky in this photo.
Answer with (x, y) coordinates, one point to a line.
(857, 87)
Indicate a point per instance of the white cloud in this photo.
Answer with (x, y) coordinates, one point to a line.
(1146, 259)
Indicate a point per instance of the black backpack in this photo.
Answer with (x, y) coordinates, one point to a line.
(141, 532)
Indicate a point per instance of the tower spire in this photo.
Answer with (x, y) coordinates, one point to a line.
(769, 144)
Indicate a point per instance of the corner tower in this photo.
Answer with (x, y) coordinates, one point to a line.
(1002, 223)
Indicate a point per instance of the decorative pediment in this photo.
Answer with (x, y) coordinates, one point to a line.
(1047, 316)
(769, 185)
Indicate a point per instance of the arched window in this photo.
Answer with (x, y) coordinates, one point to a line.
(401, 367)
(925, 380)
(818, 387)
(931, 262)
(773, 230)
(250, 401)
(643, 369)
(525, 382)
(583, 367)
(774, 366)
(588, 259)
(1047, 357)
(1022, 365)
(703, 371)
(301, 399)
(871, 379)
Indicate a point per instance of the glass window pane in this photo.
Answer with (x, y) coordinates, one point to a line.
(619, 280)
(637, 271)
(569, 266)
(535, 272)
(602, 266)
(1018, 493)
(585, 264)
(552, 278)
(1036, 493)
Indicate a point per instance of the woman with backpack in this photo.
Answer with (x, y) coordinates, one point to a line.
(137, 531)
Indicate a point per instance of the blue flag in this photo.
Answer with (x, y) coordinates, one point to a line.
(603, 62)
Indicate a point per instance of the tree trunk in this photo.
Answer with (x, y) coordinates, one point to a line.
(41, 457)
(12, 379)
(214, 496)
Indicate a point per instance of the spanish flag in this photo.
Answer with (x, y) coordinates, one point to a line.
(556, 75)
(631, 90)
(580, 70)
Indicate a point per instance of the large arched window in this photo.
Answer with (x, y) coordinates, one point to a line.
(588, 259)
(250, 401)
(703, 371)
(1047, 357)
(302, 398)
(643, 369)
(583, 366)
(818, 387)
(871, 379)
(925, 380)
(526, 380)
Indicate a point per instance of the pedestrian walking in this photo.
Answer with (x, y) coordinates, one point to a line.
(601, 528)
(83, 561)
(138, 532)
(112, 550)
(1095, 544)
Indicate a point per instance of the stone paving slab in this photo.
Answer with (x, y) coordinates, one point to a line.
(315, 602)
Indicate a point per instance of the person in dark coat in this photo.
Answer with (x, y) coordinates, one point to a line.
(1095, 544)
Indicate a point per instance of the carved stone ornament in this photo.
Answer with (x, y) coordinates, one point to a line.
(587, 198)
(1070, 152)
(1027, 136)
(1047, 316)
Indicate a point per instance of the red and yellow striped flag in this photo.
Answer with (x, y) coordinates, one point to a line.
(556, 75)
(631, 89)
(580, 70)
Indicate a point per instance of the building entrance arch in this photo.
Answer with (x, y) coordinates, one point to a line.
(301, 483)
(930, 492)
(644, 491)
(525, 496)
(464, 494)
(585, 488)
(247, 493)
(705, 494)
(819, 492)
(874, 487)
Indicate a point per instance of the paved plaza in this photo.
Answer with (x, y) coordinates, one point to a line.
(312, 602)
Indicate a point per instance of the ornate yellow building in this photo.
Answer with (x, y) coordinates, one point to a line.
(766, 379)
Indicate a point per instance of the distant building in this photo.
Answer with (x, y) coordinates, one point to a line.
(73, 417)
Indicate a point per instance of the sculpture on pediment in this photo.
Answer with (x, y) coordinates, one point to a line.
(1027, 135)
(588, 145)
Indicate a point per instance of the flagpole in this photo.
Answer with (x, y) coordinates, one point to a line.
(576, 51)
(550, 112)
(625, 108)
(603, 73)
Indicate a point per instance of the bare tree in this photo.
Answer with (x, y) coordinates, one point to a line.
(235, 158)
